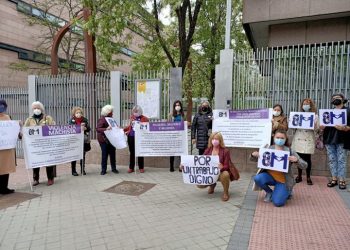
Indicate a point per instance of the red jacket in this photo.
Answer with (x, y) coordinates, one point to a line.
(224, 158)
(133, 118)
(102, 124)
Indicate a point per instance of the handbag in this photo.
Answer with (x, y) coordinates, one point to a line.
(87, 138)
(319, 142)
(234, 176)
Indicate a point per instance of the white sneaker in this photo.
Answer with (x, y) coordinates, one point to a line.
(268, 197)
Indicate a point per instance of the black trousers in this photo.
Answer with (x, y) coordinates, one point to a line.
(140, 160)
(82, 164)
(49, 173)
(201, 151)
(4, 181)
(307, 158)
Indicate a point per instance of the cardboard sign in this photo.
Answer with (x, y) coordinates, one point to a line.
(302, 120)
(116, 135)
(273, 159)
(8, 134)
(332, 117)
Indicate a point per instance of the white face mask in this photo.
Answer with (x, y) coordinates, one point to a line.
(37, 111)
(78, 115)
(177, 108)
(276, 113)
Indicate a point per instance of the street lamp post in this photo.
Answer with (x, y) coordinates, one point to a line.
(228, 24)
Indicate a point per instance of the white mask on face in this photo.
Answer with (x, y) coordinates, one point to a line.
(276, 113)
(177, 108)
(78, 115)
(37, 111)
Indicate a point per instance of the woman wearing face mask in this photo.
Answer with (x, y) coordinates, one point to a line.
(176, 116)
(78, 119)
(304, 141)
(283, 182)
(279, 120)
(107, 149)
(136, 117)
(7, 156)
(201, 124)
(337, 142)
(39, 118)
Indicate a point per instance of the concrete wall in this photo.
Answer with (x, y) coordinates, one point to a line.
(240, 156)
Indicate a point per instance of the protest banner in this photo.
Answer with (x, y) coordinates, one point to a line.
(52, 145)
(249, 128)
(8, 134)
(200, 169)
(273, 159)
(161, 139)
(116, 135)
(302, 120)
(332, 117)
(148, 96)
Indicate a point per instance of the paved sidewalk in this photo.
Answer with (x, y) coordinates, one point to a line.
(74, 213)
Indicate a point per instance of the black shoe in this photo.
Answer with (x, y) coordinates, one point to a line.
(84, 173)
(7, 191)
(298, 179)
(115, 171)
(342, 185)
(309, 181)
(332, 183)
(35, 183)
(103, 172)
(75, 174)
(172, 169)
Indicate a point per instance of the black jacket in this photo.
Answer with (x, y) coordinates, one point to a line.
(333, 136)
(201, 124)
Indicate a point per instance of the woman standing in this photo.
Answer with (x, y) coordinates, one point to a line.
(304, 141)
(176, 116)
(279, 120)
(78, 119)
(107, 149)
(39, 118)
(7, 156)
(136, 117)
(201, 124)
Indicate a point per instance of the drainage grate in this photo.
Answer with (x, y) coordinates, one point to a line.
(15, 199)
(130, 188)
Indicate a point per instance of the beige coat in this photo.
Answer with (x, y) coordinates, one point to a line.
(7, 156)
(304, 139)
(47, 120)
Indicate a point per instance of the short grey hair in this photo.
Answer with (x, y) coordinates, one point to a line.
(38, 104)
(106, 110)
(207, 102)
(137, 109)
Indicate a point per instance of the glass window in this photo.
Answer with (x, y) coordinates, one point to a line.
(24, 7)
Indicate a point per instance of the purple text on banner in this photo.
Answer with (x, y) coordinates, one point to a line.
(166, 126)
(61, 130)
(249, 114)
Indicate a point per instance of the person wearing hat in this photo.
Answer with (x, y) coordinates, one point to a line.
(39, 118)
(336, 140)
(7, 156)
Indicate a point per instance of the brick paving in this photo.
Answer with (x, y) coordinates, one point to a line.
(75, 213)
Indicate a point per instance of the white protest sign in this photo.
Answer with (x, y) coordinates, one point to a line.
(8, 134)
(200, 169)
(116, 135)
(302, 120)
(52, 145)
(148, 97)
(161, 139)
(249, 128)
(273, 159)
(332, 117)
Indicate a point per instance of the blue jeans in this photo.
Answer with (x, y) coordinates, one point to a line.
(336, 160)
(280, 193)
(107, 149)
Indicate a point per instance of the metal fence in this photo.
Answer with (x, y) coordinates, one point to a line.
(17, 101)
(128, 92)
(267, 76)
(61, 93)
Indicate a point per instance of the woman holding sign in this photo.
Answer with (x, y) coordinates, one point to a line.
(39, 118)
(304, 141)
(336, 140)
(7, 156)
(283, 182)
(279, 120)
(177, 115)
(78, 119)
(136, 117)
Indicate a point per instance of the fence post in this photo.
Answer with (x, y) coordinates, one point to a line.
(175, 91)
(116, 94)
(31, 91)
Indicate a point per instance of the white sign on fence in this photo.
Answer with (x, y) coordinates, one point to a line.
(302, 120)
(332, 117)
(116, 135)
(148, 97)
(161, 139)
(200, 169)
(273, 159)
(249, 128)
(8, 134)
(52, 145)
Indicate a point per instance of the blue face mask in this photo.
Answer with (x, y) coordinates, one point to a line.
(306, 108)
(279, 141)
(2, 109)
